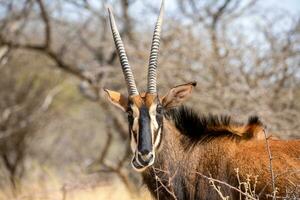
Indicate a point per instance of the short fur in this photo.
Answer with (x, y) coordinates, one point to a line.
(217, 146)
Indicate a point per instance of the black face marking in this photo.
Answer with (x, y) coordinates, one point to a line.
(159, 109)
(145, 137)
(159, 114)
(159, 119)
(130, 122)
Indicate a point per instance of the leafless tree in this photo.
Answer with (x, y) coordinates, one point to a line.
(21, 106)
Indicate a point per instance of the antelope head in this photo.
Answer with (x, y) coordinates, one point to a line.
(145, 110)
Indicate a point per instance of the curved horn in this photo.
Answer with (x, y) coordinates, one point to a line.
(132, 89)
(151, 87)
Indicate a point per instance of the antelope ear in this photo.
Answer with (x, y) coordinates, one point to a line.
(178, 95)
(117, 99)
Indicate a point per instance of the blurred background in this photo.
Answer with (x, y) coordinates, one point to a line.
(61, 139)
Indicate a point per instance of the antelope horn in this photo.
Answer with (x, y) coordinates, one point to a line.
(151, 87)
(129, 78)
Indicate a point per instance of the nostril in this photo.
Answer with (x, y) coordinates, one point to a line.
(150, 155)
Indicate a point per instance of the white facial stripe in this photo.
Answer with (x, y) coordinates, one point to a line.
(133, 144)
(135, 127)
(135, 111)
(158, 137)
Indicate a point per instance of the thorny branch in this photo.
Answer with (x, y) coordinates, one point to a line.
(169, 187)
(226, 184)
(270, 165)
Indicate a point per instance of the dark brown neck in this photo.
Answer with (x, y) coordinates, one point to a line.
(175, 171)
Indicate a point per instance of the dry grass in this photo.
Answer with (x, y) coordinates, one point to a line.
(53, 190)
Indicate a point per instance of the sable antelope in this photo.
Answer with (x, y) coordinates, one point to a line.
(173, 147)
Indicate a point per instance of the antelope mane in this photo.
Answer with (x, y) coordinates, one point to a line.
(200, 129)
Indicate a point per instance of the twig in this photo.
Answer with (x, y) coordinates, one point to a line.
(157, 178)
(46, 20)
(226, 184)
(218, 189)
(49, 98)
(270, 165)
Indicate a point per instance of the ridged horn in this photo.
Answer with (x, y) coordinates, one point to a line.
(151, 86)
(129, 78)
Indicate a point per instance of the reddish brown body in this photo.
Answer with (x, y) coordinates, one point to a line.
(178, 168)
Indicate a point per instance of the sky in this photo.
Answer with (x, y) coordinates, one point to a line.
(292, 6)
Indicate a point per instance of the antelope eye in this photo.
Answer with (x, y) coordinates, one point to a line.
(130, 112)
(159, 109)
